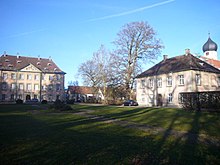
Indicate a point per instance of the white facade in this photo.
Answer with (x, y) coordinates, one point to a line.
(165, 89)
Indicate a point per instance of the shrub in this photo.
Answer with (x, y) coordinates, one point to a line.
(44, 102)
(19, 101)
(60, 105)
(72, 101)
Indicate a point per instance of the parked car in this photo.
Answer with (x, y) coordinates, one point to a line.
(130, 103)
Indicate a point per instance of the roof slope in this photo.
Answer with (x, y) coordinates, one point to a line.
(177, 64)
(9, 62)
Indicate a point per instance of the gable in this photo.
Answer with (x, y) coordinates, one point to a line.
(30, 68)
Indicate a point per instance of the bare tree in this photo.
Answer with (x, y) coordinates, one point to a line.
(98, 72)
(136, 43)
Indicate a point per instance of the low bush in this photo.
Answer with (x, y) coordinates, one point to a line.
(44, 102)
(72, 101)
(60, 105)
(19, 101)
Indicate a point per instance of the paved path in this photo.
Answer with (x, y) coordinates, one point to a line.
(191, 137)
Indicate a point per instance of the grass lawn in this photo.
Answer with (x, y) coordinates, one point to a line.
(35, 135)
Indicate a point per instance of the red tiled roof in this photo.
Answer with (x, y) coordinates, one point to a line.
(10, 62)
(215, 63)
(81, 90)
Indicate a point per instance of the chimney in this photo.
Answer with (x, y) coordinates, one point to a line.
(165, 57)
(187, 52)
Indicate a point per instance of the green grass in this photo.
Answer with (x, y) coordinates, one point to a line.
(35, 135)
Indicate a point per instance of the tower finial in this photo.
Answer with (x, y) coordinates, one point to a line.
(209, 34)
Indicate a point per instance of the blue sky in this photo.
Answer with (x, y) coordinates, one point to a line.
(71, 30)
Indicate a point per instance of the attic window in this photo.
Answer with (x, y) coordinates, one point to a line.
(48, 64)
(6, 60)
(38, 63)
(201, 63)
(18, 61)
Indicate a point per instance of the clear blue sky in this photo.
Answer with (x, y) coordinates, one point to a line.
(71, 30)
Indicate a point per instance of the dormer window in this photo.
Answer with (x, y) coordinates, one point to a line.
(18, 61)
(38, 63)
(6, 60)
(55, 69)
(48, 64)
(10, 65)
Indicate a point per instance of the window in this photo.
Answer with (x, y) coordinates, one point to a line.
(36, 87)
(28, 87)
(169, 81)
(142, 83)
(13, 76)
(50, 87)
(43, 77)
(159, 82)
(151, 98)
(29, 76)
(3, 96)
(5, 76)
(20, 96)
(58, 87)
(21, 86)
(151, 83)
(198, 79)
(218, 81)
(50, 77)
(13, 86)
(213, 80)
(181, 79)
(36, 77)
(58, 77)
(12, 97)
(4, 86)
(170, 98)
(43, 87)
(181, 98)
(21, 76)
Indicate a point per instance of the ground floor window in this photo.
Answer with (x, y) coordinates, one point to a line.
(3, 96)
(170, 98)
(12, 97)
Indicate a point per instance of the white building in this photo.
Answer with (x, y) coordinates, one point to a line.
(162, 84)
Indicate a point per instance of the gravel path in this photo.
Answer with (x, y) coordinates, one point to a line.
(191, 137)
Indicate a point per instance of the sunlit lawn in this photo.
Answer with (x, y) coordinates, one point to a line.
(34, 135)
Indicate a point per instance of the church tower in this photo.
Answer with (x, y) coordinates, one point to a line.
(210, 49)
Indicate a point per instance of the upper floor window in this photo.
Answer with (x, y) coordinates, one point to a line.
(36, 77)
(5, 76)
(50, 77)
(29, 76)
(169, 81)
(151, 83)
(159, 82)
(198, 79)
(13, 76)
(58, 76)
(142, 83)
(181, 79)
(21, 76)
